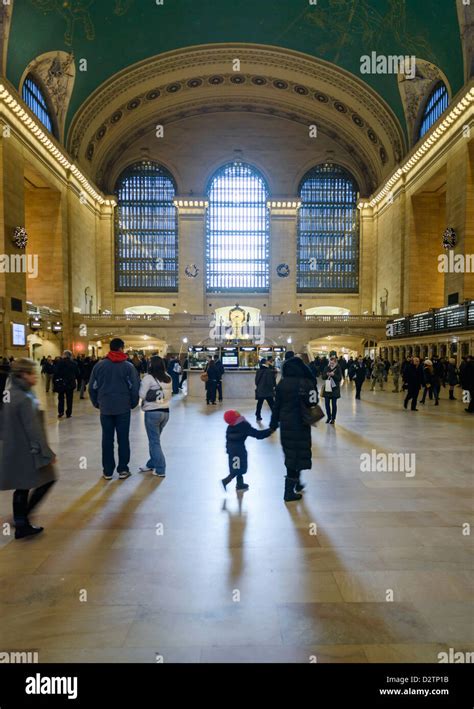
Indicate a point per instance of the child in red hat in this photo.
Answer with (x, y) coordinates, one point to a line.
(238, 430)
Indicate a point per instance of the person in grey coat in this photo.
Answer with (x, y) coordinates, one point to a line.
(26, 460)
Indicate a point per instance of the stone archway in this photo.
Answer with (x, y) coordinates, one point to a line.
(278, 83)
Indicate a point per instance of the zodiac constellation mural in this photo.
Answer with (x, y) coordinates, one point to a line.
(350, 21)
(76, 13)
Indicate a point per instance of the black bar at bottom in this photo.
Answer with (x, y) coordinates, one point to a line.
(325, 685)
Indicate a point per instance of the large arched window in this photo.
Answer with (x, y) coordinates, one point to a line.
(146, 230)
(237, 230)
(328, 234)
(35, 98)
(436, 104)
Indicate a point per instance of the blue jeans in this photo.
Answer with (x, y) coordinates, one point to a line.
(110, 424)
(155, 421)
(328, 400)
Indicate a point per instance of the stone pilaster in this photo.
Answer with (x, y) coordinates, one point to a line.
(191, 234)
(12, 214)
(283, 240)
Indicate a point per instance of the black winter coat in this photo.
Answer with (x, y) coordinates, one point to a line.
(468, 376)
(452, 376)
(429, 376)
(265, 381)
(67, 370)
(237, 435)
(414, 377)
(295, 387)
(337, 376)
(359, 372)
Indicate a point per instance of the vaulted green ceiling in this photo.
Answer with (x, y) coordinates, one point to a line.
(112, 34)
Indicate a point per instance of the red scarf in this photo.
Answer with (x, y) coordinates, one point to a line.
(117, 356)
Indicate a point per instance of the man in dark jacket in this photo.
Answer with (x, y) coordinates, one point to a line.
(64, 382)
(360, 374)
(220, 373)
(113, 388)
(48, 371)
(265, 381)
(174, 370)
(295, 389)
(414, 379)
(211, 384)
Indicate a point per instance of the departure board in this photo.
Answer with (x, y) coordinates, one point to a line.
(470, 314)
(400, 327)
(451, 317)
(421, 323)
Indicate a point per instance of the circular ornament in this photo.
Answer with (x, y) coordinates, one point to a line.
(283, 270)
(191, 271)
(20, 237)
(449, 238)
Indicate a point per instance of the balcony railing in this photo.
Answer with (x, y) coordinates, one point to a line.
(288, 319)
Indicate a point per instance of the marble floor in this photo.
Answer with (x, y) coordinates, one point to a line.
(368, 567)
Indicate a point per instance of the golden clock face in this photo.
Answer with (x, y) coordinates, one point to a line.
(237, 316)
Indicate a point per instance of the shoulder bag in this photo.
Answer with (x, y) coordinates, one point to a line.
(312, 413)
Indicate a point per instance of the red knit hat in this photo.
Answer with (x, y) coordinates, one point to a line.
(231, 417)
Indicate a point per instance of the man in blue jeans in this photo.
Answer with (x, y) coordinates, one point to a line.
(113, 389)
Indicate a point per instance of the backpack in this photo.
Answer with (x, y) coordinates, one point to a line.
(177, 368)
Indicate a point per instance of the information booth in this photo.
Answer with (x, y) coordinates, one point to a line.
(240, 365)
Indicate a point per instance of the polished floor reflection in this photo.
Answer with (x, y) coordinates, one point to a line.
(128, 570)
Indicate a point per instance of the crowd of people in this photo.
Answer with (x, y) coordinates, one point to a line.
(412, 375)
(117, 383)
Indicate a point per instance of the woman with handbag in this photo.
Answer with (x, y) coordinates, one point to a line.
(156, 392)
(295, 389)
(331, 391)
(26, 460)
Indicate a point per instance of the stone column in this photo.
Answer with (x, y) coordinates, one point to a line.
(12, 214)
(460, 215)
(192, 247)
(368, 261)
(283, 246)
(106, 257)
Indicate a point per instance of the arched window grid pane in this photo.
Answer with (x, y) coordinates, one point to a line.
(146, 230)
(328, 232)
(435, 107)
(237, 231)
(36, 101)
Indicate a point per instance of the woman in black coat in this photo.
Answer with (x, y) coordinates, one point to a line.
(332, 373)
(265, 381)
(296, 388)
(452, 377)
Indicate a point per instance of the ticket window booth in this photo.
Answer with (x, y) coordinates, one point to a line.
(197, 357)
(248, 358)
(230, 357)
